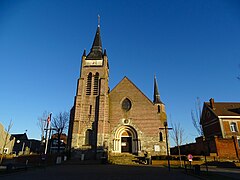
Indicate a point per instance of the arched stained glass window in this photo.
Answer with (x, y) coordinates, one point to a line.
(126, 104)
(160, 136)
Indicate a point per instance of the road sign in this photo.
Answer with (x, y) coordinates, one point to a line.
(190, 157)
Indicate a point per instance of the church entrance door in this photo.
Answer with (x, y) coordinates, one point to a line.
(126, 144)
(126, 140)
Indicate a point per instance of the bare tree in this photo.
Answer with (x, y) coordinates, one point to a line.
(177, 135)
(41, 123)
(196, 116)
(60, 125)
(7, 139)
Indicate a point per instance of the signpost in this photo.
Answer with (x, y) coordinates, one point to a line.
(190, 157)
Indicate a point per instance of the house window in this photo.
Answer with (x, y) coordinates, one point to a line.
(233, 127)
(89, 84)
(160, 136)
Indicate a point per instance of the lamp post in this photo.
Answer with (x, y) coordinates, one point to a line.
(166, 134)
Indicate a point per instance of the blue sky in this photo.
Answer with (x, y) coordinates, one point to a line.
(191, 46)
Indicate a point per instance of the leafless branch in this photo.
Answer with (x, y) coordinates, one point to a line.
(41, 123)
(177, 135)
(196, 117)
(60, 125)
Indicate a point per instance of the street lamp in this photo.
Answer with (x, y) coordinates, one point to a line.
(166, 133)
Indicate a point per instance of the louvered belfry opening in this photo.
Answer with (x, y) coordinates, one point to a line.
(96, 83)
(89, 84)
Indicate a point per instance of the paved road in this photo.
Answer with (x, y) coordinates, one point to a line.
(229, 172)
(98, 171)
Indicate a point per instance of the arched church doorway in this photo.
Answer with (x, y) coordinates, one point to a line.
(126, 140)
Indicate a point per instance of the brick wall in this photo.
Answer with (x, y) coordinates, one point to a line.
(223, 148)
(143, 115)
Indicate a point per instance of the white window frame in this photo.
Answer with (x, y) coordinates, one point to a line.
(233, 127)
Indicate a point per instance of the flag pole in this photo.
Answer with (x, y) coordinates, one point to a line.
(47, 129)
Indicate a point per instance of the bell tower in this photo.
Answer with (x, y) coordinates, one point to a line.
(89, 115)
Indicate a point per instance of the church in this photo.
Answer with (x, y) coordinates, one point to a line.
(120, 121)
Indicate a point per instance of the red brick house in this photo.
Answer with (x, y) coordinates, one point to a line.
(221, 128)
(221, 124)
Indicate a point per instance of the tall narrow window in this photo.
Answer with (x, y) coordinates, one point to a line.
(96, 82)
(159, 109)
(88, 137)
(89, 84)
(160, 136)
(233, 127)
(90, 110)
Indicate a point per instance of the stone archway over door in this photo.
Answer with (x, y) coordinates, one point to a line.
(125, 140)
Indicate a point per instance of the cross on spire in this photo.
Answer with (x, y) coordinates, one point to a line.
(98, 20)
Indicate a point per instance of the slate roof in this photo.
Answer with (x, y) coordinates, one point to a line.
(96, 50)
(225, 108)
(156, 96)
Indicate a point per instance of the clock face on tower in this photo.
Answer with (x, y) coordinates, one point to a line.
(94, 62)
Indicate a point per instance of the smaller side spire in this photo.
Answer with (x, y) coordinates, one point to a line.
(105, 52)
(156, 96)
(84, 52)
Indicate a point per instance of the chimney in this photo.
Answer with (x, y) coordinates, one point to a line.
(211, 103)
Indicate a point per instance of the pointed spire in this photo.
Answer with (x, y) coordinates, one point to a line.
(97, 43)
(84, 52)
(96, 50)
(156, 96)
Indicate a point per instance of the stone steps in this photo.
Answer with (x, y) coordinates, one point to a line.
(122, 159)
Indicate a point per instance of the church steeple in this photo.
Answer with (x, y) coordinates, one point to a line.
(96, 50)
(156, 96)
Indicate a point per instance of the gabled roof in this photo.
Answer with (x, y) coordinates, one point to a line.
(225, 108)
(126, 78)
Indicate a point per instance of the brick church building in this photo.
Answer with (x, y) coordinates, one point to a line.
(120, 121)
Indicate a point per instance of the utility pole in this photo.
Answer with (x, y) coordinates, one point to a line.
(166, 134)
